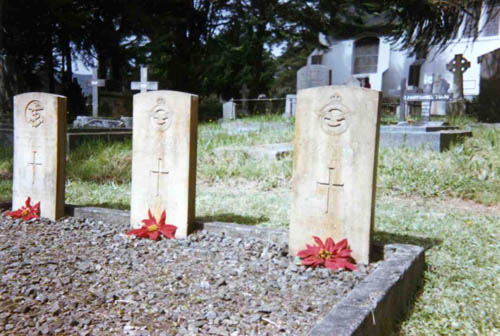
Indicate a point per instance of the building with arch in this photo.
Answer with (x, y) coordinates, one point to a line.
(379, 61)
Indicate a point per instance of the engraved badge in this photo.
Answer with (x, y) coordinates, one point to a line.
(33, 113)
(161, 116)
(335, 116)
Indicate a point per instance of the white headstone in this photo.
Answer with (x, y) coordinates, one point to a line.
(39, 152)
(334, 167)
(290, 105)
(164, 158)
(229, 110)
(314, 75)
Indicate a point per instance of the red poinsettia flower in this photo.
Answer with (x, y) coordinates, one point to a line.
(152, 229)
(27, 211)
(330, 255)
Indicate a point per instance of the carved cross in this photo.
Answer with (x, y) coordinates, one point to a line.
(330, 186)
(458, 66)
(34, 164)
(144, 85)
(95, 83)
(158, 173)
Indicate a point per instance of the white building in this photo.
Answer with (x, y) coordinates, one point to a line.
(374, 57)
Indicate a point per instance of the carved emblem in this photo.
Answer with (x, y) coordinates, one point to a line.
(335, 116)
(161, 116)
(33, 113)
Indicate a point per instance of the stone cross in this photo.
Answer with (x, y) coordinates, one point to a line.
(39, 152)
(144, 85)
(458, 65)
(95, 83)
(164, 158)
(334, 167)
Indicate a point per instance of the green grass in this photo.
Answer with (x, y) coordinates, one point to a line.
(467, 171)
(461, 293)
(415, 191)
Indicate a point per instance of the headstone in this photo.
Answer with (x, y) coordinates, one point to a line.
(39, 152)
(164, 158)
(290, 105)
(91, 122)
(314, 75)
(144, 85)
(229, 110)
(96, 84)
(244, 103)
(353, 82)
(334, 169)
(440, 86)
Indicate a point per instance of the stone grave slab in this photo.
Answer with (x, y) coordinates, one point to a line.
(275, 151)
(164, 158)
(229, 110)
(313, 75)
(39, 152)
(334, 168)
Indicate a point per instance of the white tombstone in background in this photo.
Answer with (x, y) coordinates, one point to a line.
(290, 105)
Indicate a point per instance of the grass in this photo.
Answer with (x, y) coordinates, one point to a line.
(461, 293)
(417, 196)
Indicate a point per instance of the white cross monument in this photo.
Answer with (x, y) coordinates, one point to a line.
(95, 83)
(144, 85)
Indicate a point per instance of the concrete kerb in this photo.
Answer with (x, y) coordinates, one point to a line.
(372, 308)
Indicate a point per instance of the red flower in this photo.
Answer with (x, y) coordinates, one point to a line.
(152, 229)
(27, 211)
(330, 255)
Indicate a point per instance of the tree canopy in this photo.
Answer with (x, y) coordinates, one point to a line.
(207, 47)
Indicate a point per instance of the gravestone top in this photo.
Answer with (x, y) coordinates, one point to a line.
(144, 85)
(95, 83)
(313, 75)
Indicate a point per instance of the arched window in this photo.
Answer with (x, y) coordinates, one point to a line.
(366, 55)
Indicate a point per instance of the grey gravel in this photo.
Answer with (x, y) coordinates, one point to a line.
(82, 277)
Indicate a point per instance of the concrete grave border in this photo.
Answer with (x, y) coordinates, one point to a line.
(371, 308)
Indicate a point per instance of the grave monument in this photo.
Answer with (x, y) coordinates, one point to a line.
(458, 65)
(334, 167)
(39, 152)
(164, 158)
(229, 110)
(144, 85)
(313, 75)
(96, 83)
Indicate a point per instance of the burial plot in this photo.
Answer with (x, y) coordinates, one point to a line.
(39, 152)
(164, 158)
(334, 167)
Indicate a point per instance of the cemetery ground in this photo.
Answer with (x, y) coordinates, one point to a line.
(447, 202)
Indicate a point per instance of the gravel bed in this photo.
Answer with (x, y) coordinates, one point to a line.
(81, 277)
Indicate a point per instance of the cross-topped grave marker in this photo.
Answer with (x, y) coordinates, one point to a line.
(144, 85)
(458, 65)
(335, 160)
(39, 152)
(96, 83)
(164, 158)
